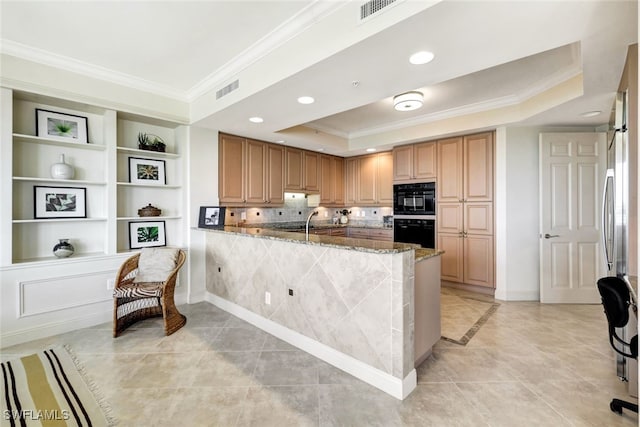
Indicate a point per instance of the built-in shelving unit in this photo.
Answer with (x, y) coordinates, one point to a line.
(101, 168)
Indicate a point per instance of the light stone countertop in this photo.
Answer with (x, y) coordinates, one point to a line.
(362, 245)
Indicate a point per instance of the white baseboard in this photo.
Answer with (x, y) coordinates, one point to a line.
(51, 329)
(396, 387)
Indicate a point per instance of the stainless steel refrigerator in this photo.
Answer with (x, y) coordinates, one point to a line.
(615, 226)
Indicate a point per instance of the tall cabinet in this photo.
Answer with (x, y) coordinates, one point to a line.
(465, 209)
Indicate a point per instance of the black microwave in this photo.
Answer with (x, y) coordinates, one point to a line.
(414, 199)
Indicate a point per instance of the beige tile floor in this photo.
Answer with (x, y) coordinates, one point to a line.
(528, 365)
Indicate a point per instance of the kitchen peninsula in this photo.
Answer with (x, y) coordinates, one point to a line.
(350, 302)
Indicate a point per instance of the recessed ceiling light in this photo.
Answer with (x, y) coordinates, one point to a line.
(422, 57)
(306, 100)
(320, 149)
(370, 150)
(408, 101)
(280, 141)
(256, 120)
(591, 113)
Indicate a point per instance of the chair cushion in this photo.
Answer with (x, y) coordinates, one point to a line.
(155, 264)
(139, 290)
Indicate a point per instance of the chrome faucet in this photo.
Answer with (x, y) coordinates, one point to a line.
(306, 228)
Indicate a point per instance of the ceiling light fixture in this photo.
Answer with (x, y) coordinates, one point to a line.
(408, 101)
(422, 57)
(306, 100)
(256, 120)
(591, 113)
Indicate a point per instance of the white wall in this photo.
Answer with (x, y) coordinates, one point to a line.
(518, 256)
(202, 167)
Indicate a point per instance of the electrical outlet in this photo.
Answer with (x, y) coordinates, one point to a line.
(111, 283)
(326, 214)
(267, 298)
(362, 213)
(243, 216)
(291, 292)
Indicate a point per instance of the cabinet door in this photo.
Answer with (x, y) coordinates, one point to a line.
(339, 232)
(478, 168)
(339, 184)
(231, 169)
(451, 262)
(366, 170)
(256, 171)
(293, 169)
(450, 218)
(311, 170)
(449, 159)
(403, 163)
(478, 260)
(385, 235)
(275, 174)
(358, 233)
(351, 180)
(384, 179)
(478, 218)
(327, 180)
(424, 161)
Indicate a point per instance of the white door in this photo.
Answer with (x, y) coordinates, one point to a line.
(572, 170)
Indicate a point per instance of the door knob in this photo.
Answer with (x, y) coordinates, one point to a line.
(550, 236)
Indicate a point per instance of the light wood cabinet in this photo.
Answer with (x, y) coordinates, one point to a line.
(275, 174)
(372, 179)
(293, 169)
(231, 169)
(331, 180)
(370, 233)
(350, 180)
(250, 172)
(311, 171)
(415, 162)
(465, 209)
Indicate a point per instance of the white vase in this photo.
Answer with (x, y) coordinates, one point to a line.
(62, 170)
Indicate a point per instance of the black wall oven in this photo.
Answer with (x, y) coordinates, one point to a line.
(414, 199)
(414, 210)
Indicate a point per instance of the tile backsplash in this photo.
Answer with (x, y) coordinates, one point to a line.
(296, 209)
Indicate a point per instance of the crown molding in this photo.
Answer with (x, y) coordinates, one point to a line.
(40, 56)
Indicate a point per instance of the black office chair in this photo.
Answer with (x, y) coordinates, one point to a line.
(616, 300)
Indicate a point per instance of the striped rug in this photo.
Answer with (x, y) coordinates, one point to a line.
(50, 389)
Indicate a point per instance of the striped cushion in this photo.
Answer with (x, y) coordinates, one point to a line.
(139, 290)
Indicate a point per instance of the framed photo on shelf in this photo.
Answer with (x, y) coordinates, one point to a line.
(211, 217)
(59, 202)
(62, 126)
(147, 171)
(147, 234)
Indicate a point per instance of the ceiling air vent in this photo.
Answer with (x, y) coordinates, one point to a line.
(373, 6)
(228, 89)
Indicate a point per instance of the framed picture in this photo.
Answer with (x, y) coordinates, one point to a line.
(59, 202)
(147, 171)
(211, 217)
(62, 126)
(147, 234)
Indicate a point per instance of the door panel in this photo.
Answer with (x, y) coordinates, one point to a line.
(450, 170)
(449, 218)
(478, 218)
(478, 168)
(275, 174)
(478, 260)
(424, 161)
(256, 162)
(572, 169)
(452, 259)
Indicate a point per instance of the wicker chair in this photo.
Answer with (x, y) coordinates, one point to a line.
(137, 301)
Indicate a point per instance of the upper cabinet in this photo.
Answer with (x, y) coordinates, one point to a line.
(311, 167)
(294, 178)
(250, 172)
(465, 169)
(415, 162)
(331, 180)
(370, 179)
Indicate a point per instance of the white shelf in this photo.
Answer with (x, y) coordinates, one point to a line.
(61, 181)
(53, 260)
(52, 220)
(162, 187)
(18, 137)
(146, 218)
(147, 153)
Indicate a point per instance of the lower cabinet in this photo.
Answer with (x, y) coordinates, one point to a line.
(371, 233)
(467, 258)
